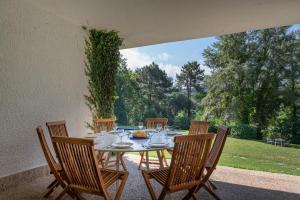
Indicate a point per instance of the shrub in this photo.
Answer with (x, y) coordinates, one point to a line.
(181, 120)
(244, 131)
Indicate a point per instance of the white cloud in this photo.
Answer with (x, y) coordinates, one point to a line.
(136, 59)
(170, 69)
(163, 57)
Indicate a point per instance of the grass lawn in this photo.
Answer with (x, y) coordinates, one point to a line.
(256, 155)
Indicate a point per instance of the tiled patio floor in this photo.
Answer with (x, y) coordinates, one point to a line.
(232, 184)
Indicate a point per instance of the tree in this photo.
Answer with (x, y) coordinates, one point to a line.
(154, 85)
(247, 84)
(190, 77)
(128, 107)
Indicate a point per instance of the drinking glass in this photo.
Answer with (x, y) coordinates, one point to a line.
(115, 128)
(159, 127)
(141, 125)
(121, 134)
(103, 130)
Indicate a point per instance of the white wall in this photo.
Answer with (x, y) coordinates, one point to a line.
(41, 79)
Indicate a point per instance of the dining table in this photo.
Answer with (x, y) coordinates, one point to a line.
(106, 142)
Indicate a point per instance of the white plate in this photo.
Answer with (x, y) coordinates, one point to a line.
(158, 144)
(91, 136)
(173, 133)
(122, 145)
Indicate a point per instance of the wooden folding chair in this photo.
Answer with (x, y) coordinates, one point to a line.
(196, 128)
(55, 167)
(78, 160)
(57, 128)
(212, 161)
(152, 123)
(185, 171)
(107, 124)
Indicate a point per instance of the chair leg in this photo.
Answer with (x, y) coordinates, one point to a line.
(210, 191)
(162, 195)
(121, 187)
(122, 161)
(62, 193)
(190, 194)
(164, 158)
(142, 158)
(149, 186)
(212, 184)
(194, 197)
(52, 183)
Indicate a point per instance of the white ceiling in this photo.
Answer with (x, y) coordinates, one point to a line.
(144, 22)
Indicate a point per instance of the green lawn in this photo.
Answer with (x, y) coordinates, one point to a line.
(256, 155)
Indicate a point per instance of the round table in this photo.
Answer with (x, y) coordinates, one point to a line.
(139, 145)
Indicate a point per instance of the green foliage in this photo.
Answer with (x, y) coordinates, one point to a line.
(280, 125)
(252, 77)
(154, 85)
(182, 121)
(128, 107)
(190, 77)
(243, 131)
(102, 61)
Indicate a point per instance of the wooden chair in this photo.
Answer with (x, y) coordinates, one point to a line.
(212, 161)
(198, 127)
(55, 168)
(152, 123)
(108, 124)
(185, 171)
(57, 128)
(78, 159)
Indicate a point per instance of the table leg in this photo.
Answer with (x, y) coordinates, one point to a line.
(147, 160)
(107, 158)
(160, 159)
(118, 161)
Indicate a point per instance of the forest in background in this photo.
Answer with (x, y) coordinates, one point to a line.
(253, 88)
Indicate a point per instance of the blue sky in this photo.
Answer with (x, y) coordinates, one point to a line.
(171, 56)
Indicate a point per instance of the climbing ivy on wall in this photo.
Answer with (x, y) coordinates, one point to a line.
(101, 65)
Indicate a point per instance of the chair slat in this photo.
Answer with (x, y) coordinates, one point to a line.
(186, 169)
(78, 159)
(57, 128)
(198, 127)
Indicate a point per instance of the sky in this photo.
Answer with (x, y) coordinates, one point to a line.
(173, 55)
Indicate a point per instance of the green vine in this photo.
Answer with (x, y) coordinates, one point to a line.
(101, 65)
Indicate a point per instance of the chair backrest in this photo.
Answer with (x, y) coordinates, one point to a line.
(188, 159)
(78, 160)
(57, 128)
(216, 150)
(152, 122)
(108, 123)
(198, 127)
(53, 165)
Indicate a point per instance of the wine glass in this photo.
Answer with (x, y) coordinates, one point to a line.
(115, 128)
(141, 125)
(121, 134)
(103, 130)
(159, 127)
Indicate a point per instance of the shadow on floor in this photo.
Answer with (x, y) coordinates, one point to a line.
(135, 189)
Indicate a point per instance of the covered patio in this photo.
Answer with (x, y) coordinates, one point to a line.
(233, 184)
(42, 79)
